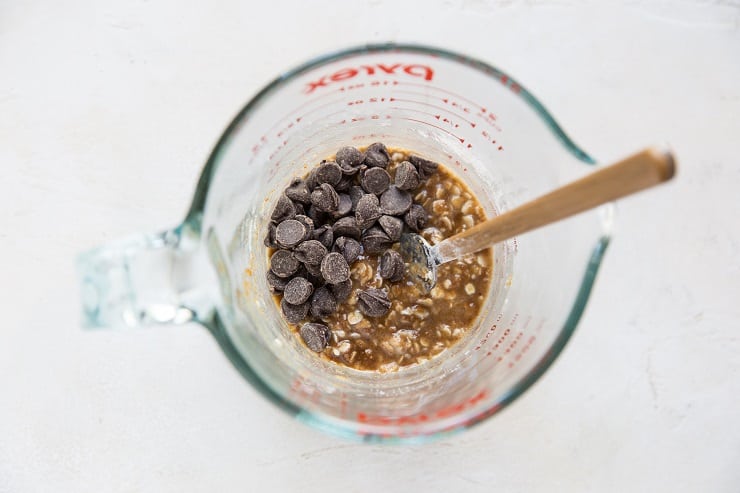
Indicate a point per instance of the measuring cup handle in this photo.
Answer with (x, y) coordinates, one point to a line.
(146, 279)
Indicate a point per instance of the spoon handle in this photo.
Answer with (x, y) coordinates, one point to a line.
(645, 169)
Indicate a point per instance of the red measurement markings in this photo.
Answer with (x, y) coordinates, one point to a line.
(523, 350)
(466, 109)
(462, 141)
(373, 135)
(431, 105)
(256, 147)
(513, 343)
(490, 331)
(292, 123)
(299, 109)
(437, 117)
(487, 336)
(488, 137)
(351, 87)
(319, 99)
(377, 83)
(480, 110)
(343, 406)
(288, 127)
(510, 84)
(362, 118)
(309, 138)
(445, 412)
(303, 391)
(282, 146)
(499, 342)
(368, 100)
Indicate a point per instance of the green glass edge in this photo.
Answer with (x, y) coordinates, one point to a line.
(215, 325)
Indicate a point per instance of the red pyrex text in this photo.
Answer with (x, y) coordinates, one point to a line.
(413, 70)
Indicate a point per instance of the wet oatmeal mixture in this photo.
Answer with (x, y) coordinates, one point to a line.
(335, 270)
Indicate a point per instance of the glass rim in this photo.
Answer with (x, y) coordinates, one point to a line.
(348, 428)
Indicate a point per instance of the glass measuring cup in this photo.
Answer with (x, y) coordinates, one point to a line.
(463, 113)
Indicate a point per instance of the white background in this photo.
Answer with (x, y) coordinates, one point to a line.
(107, 114)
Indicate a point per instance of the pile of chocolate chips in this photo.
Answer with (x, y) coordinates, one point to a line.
(322, 223)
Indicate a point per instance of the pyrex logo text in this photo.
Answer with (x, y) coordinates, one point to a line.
(413, 70)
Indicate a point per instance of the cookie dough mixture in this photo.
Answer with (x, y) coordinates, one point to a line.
(337, 275)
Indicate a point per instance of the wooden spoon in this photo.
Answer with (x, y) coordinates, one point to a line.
(643, 170)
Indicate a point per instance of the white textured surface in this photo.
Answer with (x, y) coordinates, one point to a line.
(106, 116)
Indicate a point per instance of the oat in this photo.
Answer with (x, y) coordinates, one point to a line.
(355, 317)
(467, 221)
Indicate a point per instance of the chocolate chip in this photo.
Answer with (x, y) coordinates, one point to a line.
(344, 183)
(323, 303)
(290, 232)
(311, 182)
(328, 172)
(297, 291)
(349, 157)
(367, 210)
(298, 191)
(316, 336)
(391, 266)
(284, 209)
(373, 302)
(334, 268)
(313, 274)
(270, 236)
(355, 194)
(407, 178)
(393, 226)
(415, 218)
(325, 198)
(275, 282)
(284, 264)
(348, 247)
(315, 214)
(395, 201)
(375, 180)
(341, 291)
(344, 207)
(300, 209)
(294, 313)
(376, 155)
(325, 235)
(349, 171)
(425, 167)
(308, 223)
(375, 240)
(310, 252)
(379, 147)
(346, 226)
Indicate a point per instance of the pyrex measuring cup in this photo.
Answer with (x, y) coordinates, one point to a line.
(469, 116)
